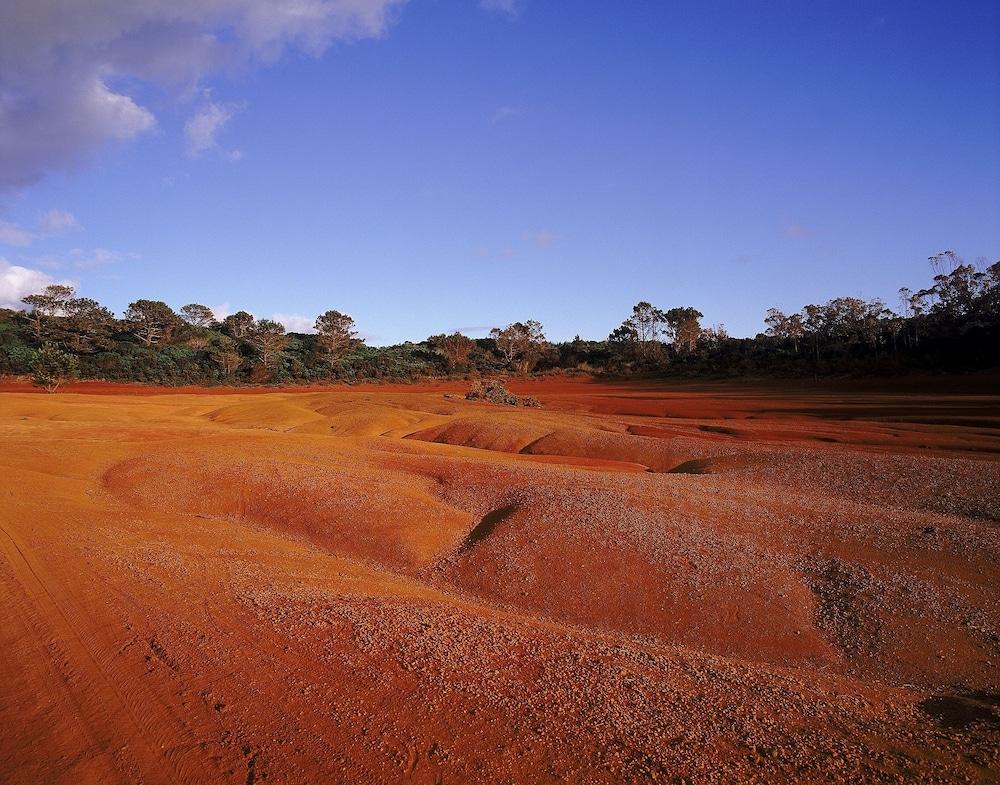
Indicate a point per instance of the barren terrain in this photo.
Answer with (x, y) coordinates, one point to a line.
(392, 585)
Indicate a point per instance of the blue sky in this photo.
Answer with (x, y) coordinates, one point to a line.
(435, 165)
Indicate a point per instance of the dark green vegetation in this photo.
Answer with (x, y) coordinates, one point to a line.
(952, 326)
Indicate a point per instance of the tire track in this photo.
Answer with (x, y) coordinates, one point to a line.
(108, 726)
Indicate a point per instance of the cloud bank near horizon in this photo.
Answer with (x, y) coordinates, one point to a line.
(17, 282)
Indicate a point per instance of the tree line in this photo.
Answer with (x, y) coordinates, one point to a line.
(952, 325)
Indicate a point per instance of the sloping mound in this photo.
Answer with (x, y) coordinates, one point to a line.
(647, 570)
(277, 414)
(508, 434)
(541, 436)
(374, 421)
(609, 446)
(386, 517)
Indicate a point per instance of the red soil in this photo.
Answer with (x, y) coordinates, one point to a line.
(393, 584)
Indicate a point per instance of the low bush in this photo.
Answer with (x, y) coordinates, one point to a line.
(493, 391)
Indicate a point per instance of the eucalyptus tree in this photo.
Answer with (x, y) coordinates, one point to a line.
(46, 304)
(197, 315)
(268, 338)
(150, 320)
(336, 334)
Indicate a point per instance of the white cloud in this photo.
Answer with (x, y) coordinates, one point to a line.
(17, 282)
(57, 221)
(201, 128)
(511, 8)
(222, 311)
(295, 323)
(71, 70)
(12, 234)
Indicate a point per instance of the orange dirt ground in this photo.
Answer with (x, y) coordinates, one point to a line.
(382, 585)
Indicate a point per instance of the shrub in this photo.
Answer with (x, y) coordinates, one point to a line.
(493, 391)
(51, 367)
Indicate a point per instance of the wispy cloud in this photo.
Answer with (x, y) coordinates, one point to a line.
(508, 8)
(505, 113)
(472, 329)
(750, 258)
(50, 223)
(798, 230)
(57, 221)
(12, 234)
(494, 253)
(542, 238)
(84, 259)
(91, 259)
(202, 128)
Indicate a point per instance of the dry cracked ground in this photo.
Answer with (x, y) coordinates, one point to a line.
(394, 585)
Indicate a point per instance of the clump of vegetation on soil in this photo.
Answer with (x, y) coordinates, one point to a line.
(493, 391)
(51, 367)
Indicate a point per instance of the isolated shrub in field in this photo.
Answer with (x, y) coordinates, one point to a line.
(50, 367)
(493, 391)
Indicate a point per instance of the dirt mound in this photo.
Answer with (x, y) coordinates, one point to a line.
(550, 436)
(646, 574)
(386, 517)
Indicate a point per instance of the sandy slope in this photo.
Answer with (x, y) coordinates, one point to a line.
(396, 585)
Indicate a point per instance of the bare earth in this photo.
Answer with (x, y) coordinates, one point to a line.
(382, 585)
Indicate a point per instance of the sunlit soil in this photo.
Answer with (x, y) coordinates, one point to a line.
(382, 585)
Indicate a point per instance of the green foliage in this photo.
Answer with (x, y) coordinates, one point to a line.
(952, 325)
(50, 367)
(15, 359)
(404, 362)
(151, 320)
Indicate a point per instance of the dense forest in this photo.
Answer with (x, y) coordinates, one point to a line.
(952, 326)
